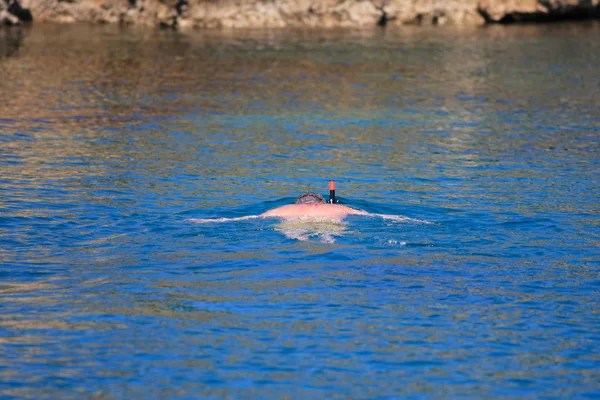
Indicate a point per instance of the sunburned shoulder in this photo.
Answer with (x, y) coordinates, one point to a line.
(294, 211)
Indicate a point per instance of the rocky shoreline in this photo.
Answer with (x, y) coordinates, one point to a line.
(198, 14)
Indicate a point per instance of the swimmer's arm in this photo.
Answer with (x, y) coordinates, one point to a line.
(210, 220)
(397, 218)
(354, 211)
(276, 212)
(271, 213)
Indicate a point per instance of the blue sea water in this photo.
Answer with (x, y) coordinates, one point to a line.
(113, 140)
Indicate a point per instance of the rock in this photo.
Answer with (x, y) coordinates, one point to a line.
(506, 12)
(186, 14)
(11, 13)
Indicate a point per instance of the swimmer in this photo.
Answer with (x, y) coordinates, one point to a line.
(311, 216)
(310, 206)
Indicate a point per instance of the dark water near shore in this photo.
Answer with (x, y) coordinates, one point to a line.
(111, 139)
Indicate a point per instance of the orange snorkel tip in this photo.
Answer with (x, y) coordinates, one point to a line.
(332, 192)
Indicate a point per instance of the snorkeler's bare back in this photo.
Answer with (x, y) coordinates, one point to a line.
(312, 211)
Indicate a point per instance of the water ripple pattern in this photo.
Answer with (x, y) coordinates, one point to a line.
(112, 140)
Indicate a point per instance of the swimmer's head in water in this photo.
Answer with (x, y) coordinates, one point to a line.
(310, 198)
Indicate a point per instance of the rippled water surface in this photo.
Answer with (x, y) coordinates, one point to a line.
(111, 140)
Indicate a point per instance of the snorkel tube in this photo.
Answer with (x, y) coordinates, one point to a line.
(332, 192)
